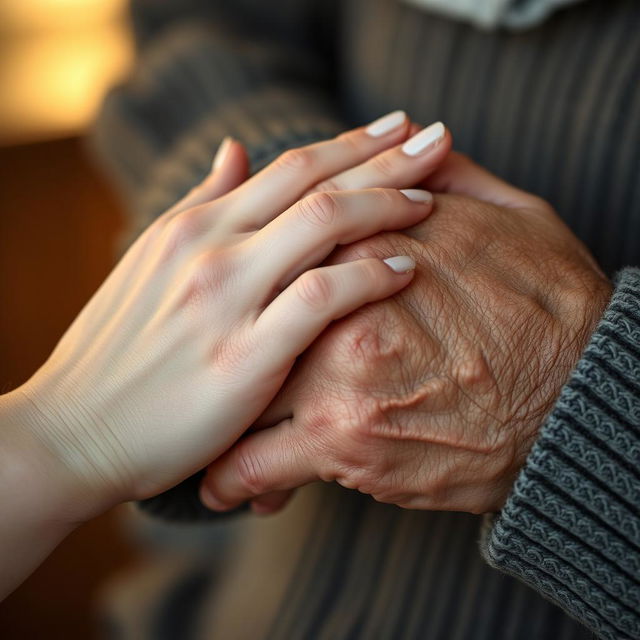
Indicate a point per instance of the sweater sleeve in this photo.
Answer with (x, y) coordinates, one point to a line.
(571, 526)
(206, 70)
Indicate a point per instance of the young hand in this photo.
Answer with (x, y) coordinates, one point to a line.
(193, 333)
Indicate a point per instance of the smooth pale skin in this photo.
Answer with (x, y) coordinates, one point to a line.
(432, 399)
(195, 330)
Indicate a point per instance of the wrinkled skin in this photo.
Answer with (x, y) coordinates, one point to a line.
(433, 398)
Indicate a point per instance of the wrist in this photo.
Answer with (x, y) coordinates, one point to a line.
(40, 502)
(572, 336)
(37, 461)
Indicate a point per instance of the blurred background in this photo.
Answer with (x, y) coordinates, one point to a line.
(59, 223)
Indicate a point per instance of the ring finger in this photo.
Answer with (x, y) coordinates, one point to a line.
(309, 231)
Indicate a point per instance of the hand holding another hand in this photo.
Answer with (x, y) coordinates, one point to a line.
(432, 399)
(193, 333)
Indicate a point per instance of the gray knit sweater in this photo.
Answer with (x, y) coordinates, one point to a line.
(553, 110)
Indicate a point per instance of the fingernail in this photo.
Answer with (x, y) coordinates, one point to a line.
(424, 139)
(400, 264)
(209, 500)
(222, 152)
(385, 124)
(418, 195)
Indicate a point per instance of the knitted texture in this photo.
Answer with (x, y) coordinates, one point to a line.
(571, 527)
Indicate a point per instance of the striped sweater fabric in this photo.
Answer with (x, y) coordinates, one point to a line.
(554, 110)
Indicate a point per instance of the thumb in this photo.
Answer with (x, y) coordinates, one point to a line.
(459, 174)
(272, 460)
(230, 168)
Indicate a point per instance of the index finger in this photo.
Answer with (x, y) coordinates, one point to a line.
(291, 175)
(274, 459)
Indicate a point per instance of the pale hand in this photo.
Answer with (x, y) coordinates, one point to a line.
(196, 329)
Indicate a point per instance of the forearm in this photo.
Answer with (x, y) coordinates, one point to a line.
(40, 503)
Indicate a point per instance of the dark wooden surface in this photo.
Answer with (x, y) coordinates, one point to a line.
(58, 225)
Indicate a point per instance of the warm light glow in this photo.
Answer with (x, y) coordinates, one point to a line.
(58, 59)
(20, 15)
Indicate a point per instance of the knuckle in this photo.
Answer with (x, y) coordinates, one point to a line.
(365, 341)
(315, 289)
(297, 160)
(251, 472)
(578, 297)
(322, 436)
(234, 356)
(360, 347)
(319, 209)
(473, 372)
(210, 270)
(180, 231)
(358, 477)
(342, 439)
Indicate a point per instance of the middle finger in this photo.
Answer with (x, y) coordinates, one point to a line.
(401, 166)
(309, 231)
(264, 196)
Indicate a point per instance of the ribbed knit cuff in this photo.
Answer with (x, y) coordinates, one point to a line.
(571, 527)
(158, 133)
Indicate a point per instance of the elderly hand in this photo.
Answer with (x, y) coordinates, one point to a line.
(432, 399)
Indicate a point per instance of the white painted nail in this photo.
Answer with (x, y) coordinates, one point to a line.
(424, 139)
(417, 195)
(221, 154)
(400, 264)
(385, 124)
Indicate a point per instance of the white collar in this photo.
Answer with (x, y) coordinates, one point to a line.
(491, 14)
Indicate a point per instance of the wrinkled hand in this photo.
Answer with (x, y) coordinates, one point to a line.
(432, 399)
